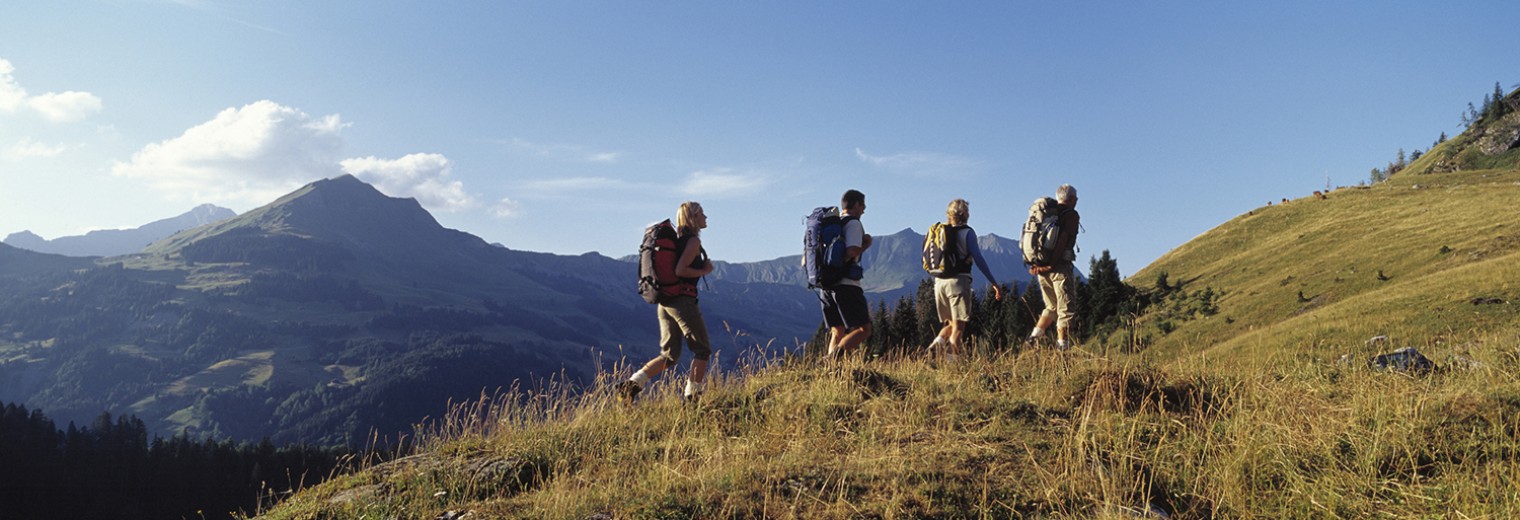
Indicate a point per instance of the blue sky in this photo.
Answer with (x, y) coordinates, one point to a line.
(567, 126)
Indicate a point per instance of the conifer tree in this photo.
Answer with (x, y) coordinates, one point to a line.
(1106, 295)
(926, 315)
(1501, 106)
(882, 335)
(905, 325)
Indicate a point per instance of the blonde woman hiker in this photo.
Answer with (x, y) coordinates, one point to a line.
(952, 283)
(680, 316)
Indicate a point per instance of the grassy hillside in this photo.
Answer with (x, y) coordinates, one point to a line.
(1315, 277)
(1032, 434)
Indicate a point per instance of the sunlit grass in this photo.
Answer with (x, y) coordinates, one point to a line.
(998, 436)
(1322, 276)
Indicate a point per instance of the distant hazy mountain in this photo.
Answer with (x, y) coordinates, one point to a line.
(17, 262)
(330, 312)
(114, 242)
(894, 265)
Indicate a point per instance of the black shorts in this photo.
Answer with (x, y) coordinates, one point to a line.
(845, 306)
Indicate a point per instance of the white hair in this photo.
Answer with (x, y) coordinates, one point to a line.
(1065, 193)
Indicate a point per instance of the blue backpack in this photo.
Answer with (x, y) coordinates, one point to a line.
(823, 249)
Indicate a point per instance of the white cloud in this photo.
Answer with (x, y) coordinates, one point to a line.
(722, 182)
(26, 147)
(66, 107)
(507, 208)
(570, 152)
(605, 157)
(247, 155)
(11, 94)
(923, 163)
(423, 176)
(558, 186)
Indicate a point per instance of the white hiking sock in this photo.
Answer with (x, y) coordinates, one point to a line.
(1061, 344)
(938, 340)
(640, 378)
(1036, 333)
(693, 388)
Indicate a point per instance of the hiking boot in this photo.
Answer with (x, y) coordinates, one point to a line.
(627, 390)
(692, 400)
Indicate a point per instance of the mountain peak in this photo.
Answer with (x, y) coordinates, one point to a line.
(25, 239)
(342, 200)
(211, 211)
(115, 242)
(346, 181)
(343, 215)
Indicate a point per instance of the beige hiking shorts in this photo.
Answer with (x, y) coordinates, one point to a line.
(952, 298)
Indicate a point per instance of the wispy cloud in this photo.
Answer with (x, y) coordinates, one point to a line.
(923, 163)
(574, 184)
(420, 176)
(11, 94)
(563, 152)
(506, 208)
(224, 12)
(58, 107)
(722, 182)
(605, 157)
(246, 155)
(66, 107)
(26, 147)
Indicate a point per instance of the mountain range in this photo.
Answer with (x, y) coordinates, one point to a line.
(336, 311)
(113, 242)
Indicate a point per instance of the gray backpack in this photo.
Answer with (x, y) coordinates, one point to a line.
(1038, 240)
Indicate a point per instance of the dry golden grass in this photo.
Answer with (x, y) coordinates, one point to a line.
(1000, 436)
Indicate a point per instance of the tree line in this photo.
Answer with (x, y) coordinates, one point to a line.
(111, 469)
(1495, 105)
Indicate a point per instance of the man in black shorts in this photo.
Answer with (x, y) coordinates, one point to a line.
(845, 310)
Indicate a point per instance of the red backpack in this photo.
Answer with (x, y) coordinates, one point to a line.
(658, 255)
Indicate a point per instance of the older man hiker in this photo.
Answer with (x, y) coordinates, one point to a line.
(1050, 242)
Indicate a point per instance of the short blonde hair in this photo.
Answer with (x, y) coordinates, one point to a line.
(685, 216)
(959, 212)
